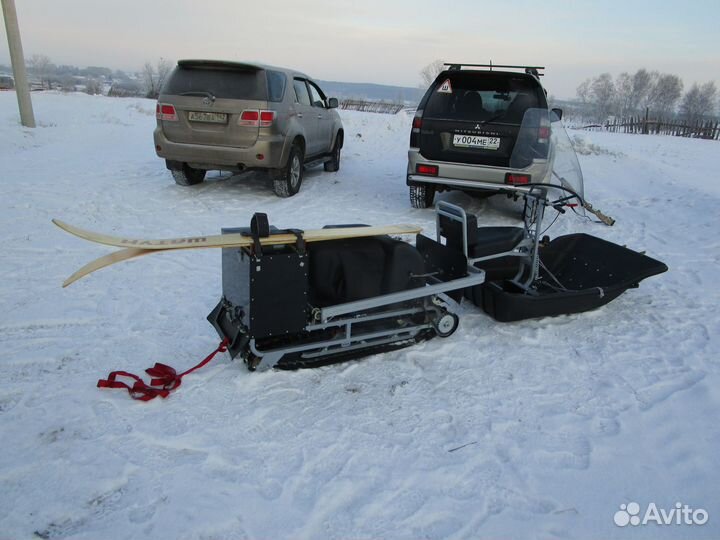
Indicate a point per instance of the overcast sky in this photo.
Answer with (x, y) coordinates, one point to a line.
(384, 42)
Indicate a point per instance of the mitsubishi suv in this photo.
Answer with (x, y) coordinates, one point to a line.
(466, 127)
(230, 116)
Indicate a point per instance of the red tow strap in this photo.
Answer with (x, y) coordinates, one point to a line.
(164, 378)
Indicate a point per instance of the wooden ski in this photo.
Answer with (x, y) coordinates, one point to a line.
(134, 248)
(235, 240)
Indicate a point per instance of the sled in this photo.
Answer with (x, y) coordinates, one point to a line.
(297, 304)
(529, 277)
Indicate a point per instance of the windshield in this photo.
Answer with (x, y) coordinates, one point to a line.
(543, 139)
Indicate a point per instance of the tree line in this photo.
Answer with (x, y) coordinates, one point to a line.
(659, 94)
(47, 75)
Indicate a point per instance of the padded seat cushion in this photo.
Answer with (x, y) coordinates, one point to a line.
(493, 240)
(481, 241)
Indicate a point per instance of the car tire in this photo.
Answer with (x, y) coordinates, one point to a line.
(333, 165)
(187, 176)
(422, 196)
(287, 180)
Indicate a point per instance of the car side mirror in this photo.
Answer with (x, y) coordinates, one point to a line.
(558, 113)
(332, 103)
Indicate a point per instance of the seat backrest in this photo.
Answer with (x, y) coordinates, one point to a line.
(452, 230)
(516, 110)
(471, 105)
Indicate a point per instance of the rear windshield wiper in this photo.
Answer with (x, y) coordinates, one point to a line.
(200, 93)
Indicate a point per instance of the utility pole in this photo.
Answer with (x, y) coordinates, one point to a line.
(22, 88)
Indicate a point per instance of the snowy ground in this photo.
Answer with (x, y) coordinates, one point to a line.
(560, 420)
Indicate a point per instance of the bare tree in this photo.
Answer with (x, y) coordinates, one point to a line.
(602, 91)
(154, 77)
(93, 87)
(699, 101)
(41, 66)
(650, 96)
(642, 80)
(431, 71)
(67, 83)
(668, 91)
(583, 91)
(624, 94)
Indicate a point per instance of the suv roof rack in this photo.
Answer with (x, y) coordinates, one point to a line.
(530, 70)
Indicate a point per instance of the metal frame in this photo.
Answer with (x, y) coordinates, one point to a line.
(354, 315)
(527, 248)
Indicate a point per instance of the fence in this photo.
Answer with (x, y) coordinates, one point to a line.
(383, 107)
(698, 129)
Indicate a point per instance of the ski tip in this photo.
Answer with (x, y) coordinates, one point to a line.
(69, 281)
(58, 223)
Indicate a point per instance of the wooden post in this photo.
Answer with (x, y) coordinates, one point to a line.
(22, 88)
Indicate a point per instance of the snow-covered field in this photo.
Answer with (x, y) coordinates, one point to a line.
(537, 429)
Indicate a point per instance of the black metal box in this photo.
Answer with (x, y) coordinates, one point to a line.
(268, 291)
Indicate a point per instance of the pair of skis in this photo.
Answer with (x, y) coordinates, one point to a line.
(133, 248)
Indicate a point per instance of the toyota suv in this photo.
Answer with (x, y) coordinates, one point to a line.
(230, 116)
(467, 126)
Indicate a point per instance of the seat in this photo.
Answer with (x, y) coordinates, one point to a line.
(494, 240)
(471, 106)
(481, 241)
(516, 111)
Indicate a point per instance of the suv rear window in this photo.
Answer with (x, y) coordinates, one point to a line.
(222, 83)
(483, 96)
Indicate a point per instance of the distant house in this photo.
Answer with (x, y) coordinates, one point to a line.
(6, 82)
(125, 89)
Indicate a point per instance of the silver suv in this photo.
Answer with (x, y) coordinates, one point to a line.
(465, 129)
(229, 116)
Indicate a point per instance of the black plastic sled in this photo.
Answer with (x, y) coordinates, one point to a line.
(527, 277)
(591, 271)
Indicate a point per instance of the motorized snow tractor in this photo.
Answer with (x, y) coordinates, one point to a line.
(305, 304)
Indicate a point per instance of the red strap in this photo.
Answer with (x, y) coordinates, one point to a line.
(164, 378)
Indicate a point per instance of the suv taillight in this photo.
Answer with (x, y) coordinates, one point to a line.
(517, 179)
(427, 170)
(415, 133)
(249, 118)
(165, 111)
(266, 118)
(255, 118)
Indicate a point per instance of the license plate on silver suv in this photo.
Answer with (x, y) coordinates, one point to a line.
(213, 117)
(473, 141)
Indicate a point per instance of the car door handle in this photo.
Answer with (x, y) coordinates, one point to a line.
(320, 116)
(299, 115)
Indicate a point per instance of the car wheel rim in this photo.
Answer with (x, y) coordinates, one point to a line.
(295, 172)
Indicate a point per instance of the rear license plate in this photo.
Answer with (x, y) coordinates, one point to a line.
(473, 141)
(214, 117)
